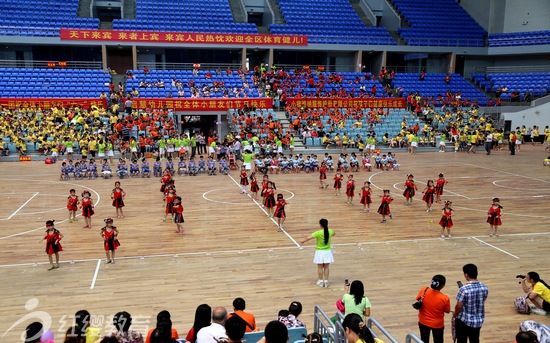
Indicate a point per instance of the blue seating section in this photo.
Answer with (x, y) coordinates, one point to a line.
(328, 22)
(438, 23)
(230, 81)
(41, 17)
(52, 83)
(434, 85)
(184, 16)
(538, 84)
(519, 38)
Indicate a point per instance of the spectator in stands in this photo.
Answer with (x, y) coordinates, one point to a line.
(163, 332)
(163, 316)
(82, 319)
(527, 97)
(145, 70)
(128, 106)
(235, 329)
(216, 330)
(447, 79)
(514, 96)
(422, 75)
(33, 332)
(75, 334)
(239, 306)
(203, 314)
(122, 322)
(355, 300)
(357, 331)
(541, 331)
(275, 332)
(291, 318)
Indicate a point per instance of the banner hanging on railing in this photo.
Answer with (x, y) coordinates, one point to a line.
(348, 102)
(43, 103)
(181, 37)
(201, 104)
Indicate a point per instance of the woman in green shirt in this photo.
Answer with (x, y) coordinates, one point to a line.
(355, 300)
(323, 255)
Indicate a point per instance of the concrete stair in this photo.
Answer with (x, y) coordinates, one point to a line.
(362, 15)
(239, 14)
(83, 10)
(279, 18)
(129, 10)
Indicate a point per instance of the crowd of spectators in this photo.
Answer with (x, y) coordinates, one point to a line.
(210, 325)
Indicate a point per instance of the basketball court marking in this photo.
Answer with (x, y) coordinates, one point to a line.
(235, 251)
(496, 183)
(24, 204)
(266, 213)
(223, 202)
(95, 274)
(61, 221)
(505, 172)
(492, 246)
(506, 213)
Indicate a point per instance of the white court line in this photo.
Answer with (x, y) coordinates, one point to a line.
(60, 222)
(95, 274)
(372, 183)
(235, 251)
(507, 213)
(261, 208)
(499, 249)
(505, 172)
(26, 202)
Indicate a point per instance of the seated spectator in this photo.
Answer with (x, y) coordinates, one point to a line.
(291, 318)
(122, 322)
(216, 330)
(275, 332)
(162, 315)
(235, 328)
(33, 332)
(163, 332)
(357, 331)
(203, 314)
(75, 334)
(447, 79)
(82, 319)
(145, 70)
(540, 331)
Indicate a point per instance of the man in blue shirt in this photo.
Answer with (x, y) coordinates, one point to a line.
(470, 306)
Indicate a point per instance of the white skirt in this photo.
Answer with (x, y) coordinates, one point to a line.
(69, 150)
(110, 153)
(100, 154)
(247, 165)
(323, 256)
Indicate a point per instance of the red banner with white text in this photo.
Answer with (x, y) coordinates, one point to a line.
(201, 104)
(181, 37)
(43, 103)
(348, 102)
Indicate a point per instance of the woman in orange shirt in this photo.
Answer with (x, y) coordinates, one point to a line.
(432, 313)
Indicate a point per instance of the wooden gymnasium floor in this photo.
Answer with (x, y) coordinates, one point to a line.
(231, 249)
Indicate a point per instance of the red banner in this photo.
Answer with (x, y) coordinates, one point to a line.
(181, 37)
(348, 102)
(201, 104)
(15, 103)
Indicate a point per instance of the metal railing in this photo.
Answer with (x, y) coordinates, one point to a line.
(186, 66)
(44, 64)
(512, 69)
(413, 338)
(370, 323)
(325, 327)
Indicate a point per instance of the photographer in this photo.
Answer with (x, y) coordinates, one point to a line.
(537, 291)
(432, 311)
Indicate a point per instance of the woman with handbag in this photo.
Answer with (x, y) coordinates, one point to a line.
(432, 306)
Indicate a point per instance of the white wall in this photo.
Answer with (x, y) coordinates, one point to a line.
(539, 116)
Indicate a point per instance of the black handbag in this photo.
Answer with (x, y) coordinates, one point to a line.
(418, 305)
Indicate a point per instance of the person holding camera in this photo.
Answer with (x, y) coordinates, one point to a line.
(537, 291)
(432, 305)
(355, 300)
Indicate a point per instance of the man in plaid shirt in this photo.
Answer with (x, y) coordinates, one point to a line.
(470, 306)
